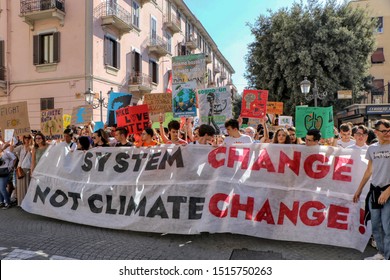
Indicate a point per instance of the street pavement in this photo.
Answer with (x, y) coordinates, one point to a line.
(27, 236)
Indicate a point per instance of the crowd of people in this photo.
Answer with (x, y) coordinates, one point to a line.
(20, 156)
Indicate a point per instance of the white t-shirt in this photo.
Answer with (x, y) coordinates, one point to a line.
(340, 143)
(243, 139)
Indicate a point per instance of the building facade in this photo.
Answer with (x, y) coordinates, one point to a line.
(53, 51)
(375, 104)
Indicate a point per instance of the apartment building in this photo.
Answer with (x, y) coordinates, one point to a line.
(53, 51)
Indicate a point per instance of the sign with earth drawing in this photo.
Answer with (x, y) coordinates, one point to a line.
(320, 118)
(184, 100)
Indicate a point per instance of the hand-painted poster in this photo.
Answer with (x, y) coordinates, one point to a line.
(134, 118)
(187, 68)
(285, 121)
(116, 101)
(184, 100)
(320, 118)
(52, 123)
(167, 118)
(15, 116)
(66, 120)
(81, 115)
(275, 108)
(215, 107)
(254, 103)
(158, 102)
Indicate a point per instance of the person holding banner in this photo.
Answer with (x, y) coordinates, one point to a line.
(121, 137)
(173, 130)
(7, 159)
(147, 138)
(313, 137)
(25, 156)
(378, 198)
(206, 135)
(281, 136)
(235, 137)
(39, 149)
(100, 138)
(293, 136)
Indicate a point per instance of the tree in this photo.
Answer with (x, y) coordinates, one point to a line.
(329, 42)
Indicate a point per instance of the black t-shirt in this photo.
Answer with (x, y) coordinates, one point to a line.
(128, 144)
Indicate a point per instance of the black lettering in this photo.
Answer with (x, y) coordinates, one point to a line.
(102, 159)
(60, 194)
(122, 202)
(133, 207)
(109, 209)
(177, 156)
(153, 161)
(158, 208)
(91, 203)
(138, 159)
(176, 200)
(75, 197)
(42, 195)
(194, 208)
(88, 163)
(122, 164)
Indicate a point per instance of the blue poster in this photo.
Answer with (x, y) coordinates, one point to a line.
(116, 101)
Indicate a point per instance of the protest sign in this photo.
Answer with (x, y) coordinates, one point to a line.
(167, 118)
(15, 116)
(184, 100)
(66, 120)
(275, 108)
(8, 134)
(158, 102)
(134, 118)
(254, 103)
(320, 118)
(189, 68)
(285, 121)
(52, 123)
(97, 126)
(281, 192)
(215, 107)
(81, 115)
(116, 101)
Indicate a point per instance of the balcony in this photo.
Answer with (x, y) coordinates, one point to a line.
(34, 10)
(147, 1)
(115, 16)
(173, 24)
(157, 46)
(207, 58)
(191, 42)
(223, 76)
(217, 69)
(140, 82)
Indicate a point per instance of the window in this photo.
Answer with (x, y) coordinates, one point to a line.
(379, 26)
(378, 56)
(136, 62)
(153, 28)
(136, 14)
(111, 52)
(46, 48)
(378, 87)
(153, 71)
(169, 42)
(47, 103)
(2, 61)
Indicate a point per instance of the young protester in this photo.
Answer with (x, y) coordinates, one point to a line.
(100, 138)
(360, 135)
(313, 137)
(235, 136)
(68, 139)
(7, 159)
(24, 153)
(147, 138)
(293, 136)
(377, 200)
(39, 149)
(281, 137)
(345, 136)
(121, 137)
(173, 130)
(206, 135)
(83, 143)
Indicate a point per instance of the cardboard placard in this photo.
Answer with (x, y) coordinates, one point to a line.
(81, 114)
(134, 118)
(254, 103)
(52, 123)
(274, 108)
(158, 102)
(15, 116)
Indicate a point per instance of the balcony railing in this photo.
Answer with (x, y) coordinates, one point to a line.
(172, 23)
(140, 82)
(191, 42)
(115, 15)
(158, 45)
(223, 76)
(217, 69)
(34, 10)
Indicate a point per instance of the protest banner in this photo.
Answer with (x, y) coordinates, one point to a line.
(215, 107)
(8, 134)
(254, 103)
(134, 118)
(285, 121)
(66, 120)
(188, 68)
(116, 101)
(320, 118)
(15, 116)
(158, 102)
(275, 108)
(282, 192)
(52, 123)
(81, 115)
(184, 100)
(167, 118)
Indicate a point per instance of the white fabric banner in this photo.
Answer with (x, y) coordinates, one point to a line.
(283, 192)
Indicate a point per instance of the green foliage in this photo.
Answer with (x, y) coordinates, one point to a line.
(236, 102)
(328, 42)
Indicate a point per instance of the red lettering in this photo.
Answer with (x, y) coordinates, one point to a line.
(263, 161)
(234, 155)
(291, 214)
(338, 213)
(265, 214)
(212, 157)
(237, 206)
(340, 167)
(319, 216)
(213, 205)
(293, 164)
(322, 169)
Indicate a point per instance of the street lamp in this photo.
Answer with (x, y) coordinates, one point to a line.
(90, 97)
(305, 89)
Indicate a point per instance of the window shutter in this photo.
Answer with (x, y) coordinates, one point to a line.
(106, 48)
(132, 62)
(56, 47)
(157, 73)
(118, 55)
(150, 68)
(140, 64)
(378, 56)
(2, 51)
(36, 58)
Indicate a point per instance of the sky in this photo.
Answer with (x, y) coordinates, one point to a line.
(226, 22)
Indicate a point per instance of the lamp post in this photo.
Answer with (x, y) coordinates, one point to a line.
(305, 89)
(90, 97)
